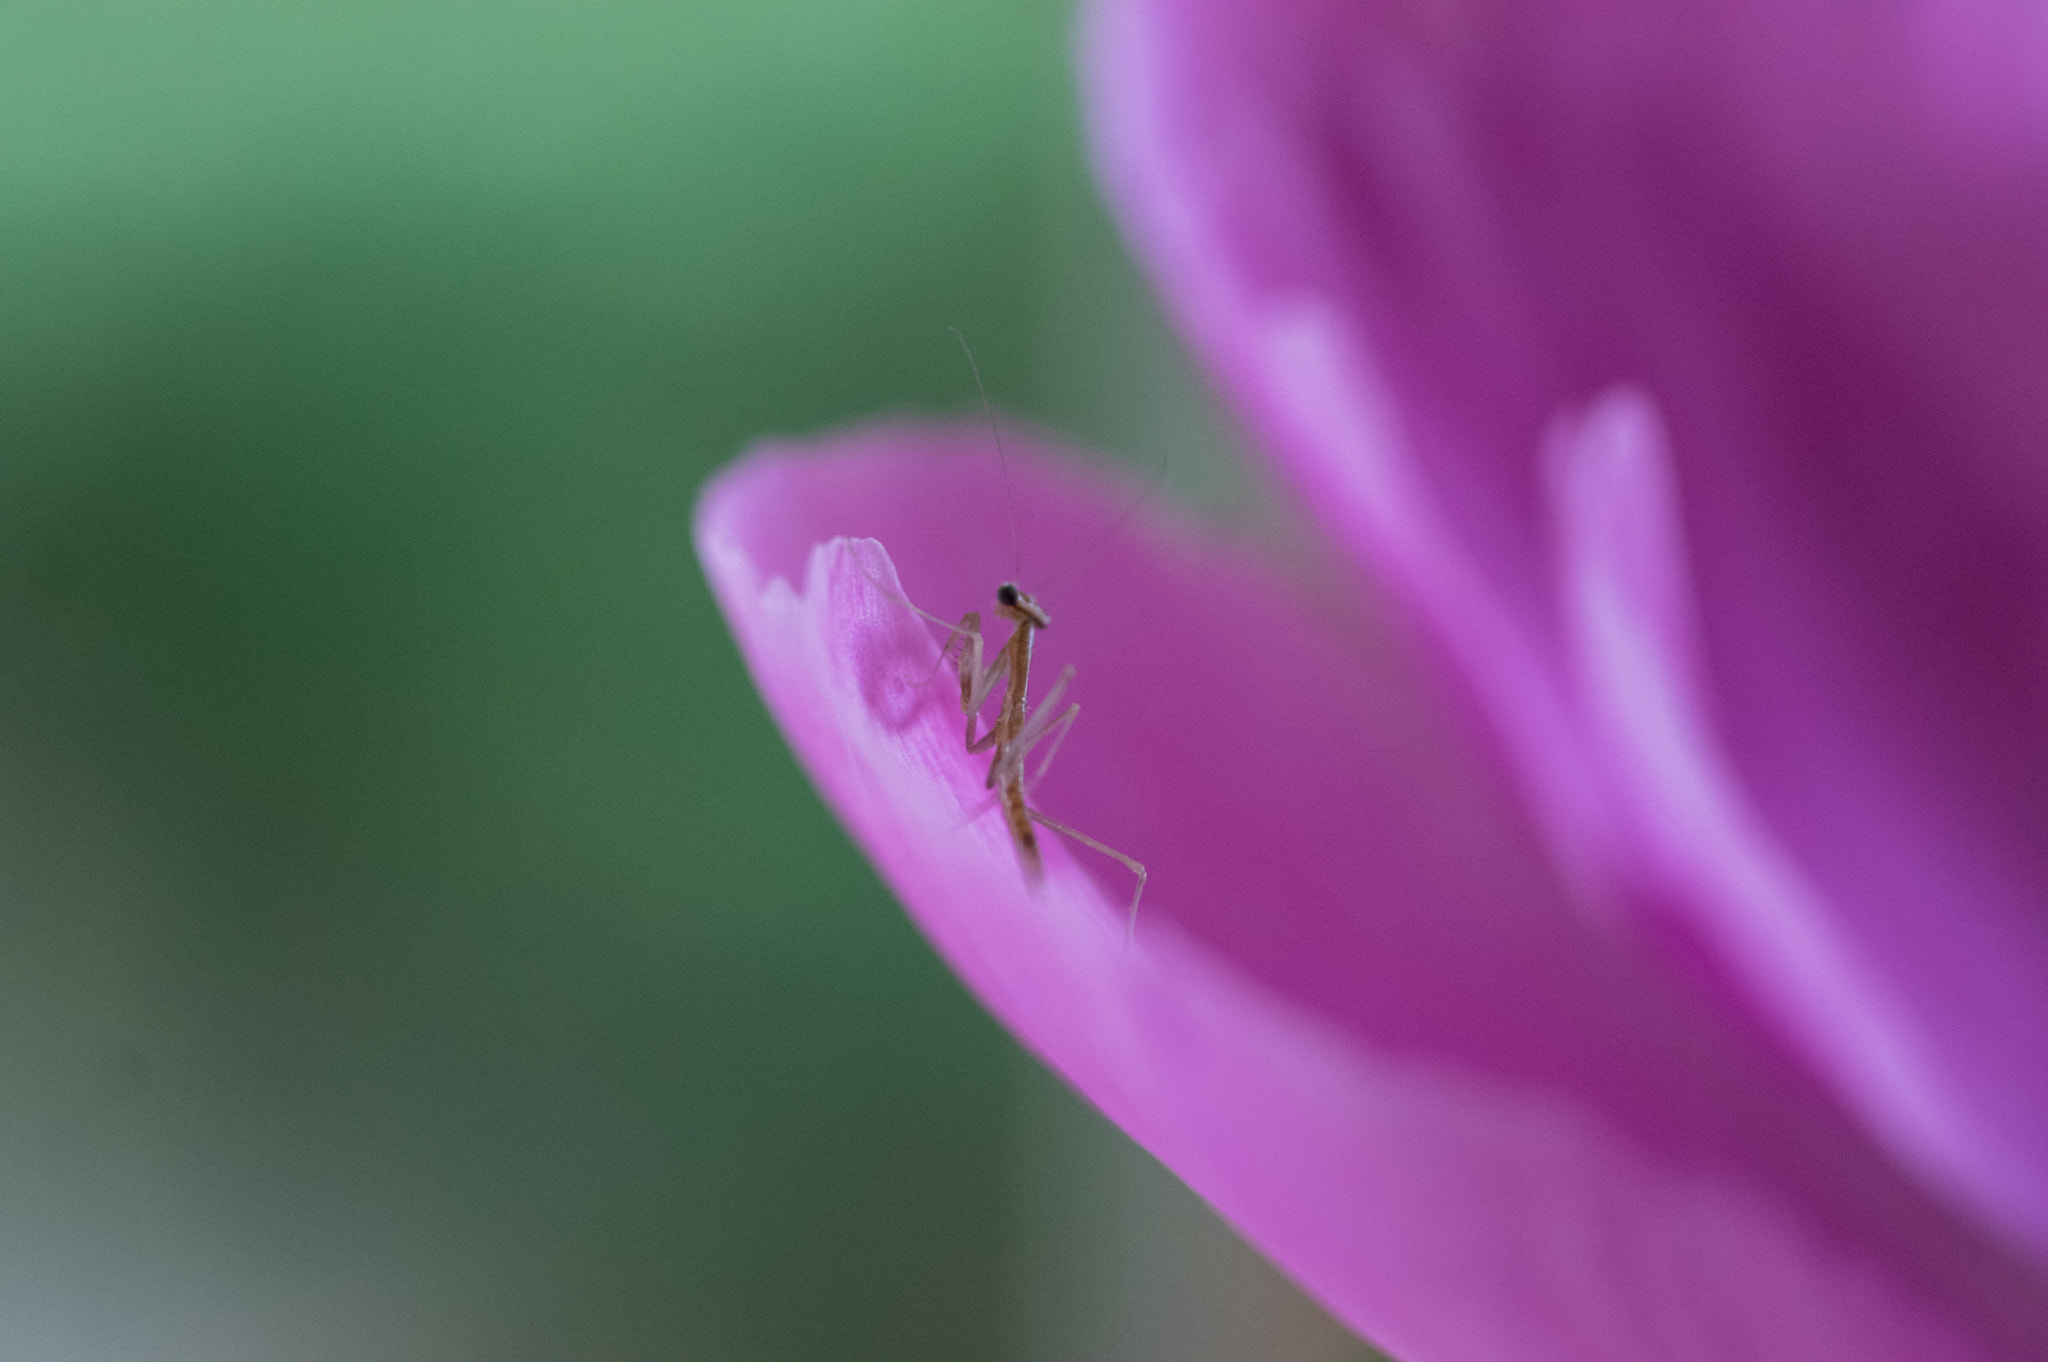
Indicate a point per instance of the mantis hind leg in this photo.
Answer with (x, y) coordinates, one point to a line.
(1130, 863)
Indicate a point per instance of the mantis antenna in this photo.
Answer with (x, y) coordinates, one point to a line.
(1002, 460)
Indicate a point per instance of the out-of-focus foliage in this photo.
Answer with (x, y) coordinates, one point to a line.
(415, 941)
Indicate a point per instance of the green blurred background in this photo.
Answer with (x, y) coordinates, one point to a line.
(414, 939)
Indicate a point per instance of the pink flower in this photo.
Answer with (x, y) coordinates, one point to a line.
(1683, 373)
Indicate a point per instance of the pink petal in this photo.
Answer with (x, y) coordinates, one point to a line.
(1360, 1015)
(1410, 238)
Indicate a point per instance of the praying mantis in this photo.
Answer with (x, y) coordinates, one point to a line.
(1017, 730)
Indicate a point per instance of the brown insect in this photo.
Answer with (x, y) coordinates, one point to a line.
(1017, 730)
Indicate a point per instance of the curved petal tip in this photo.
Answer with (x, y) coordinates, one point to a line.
(1439, 1199)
